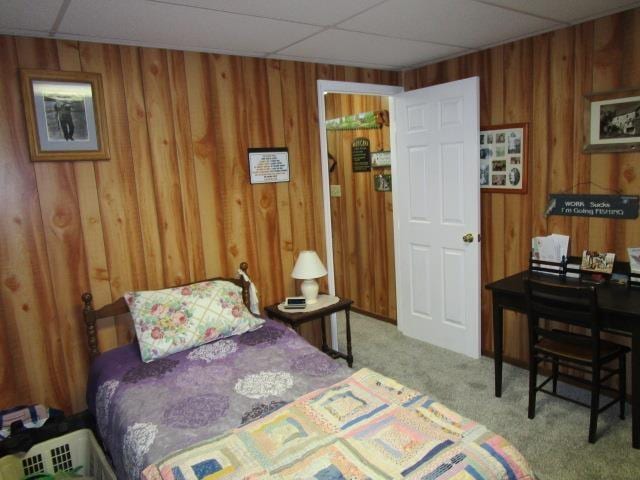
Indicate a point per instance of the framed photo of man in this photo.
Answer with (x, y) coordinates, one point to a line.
(65, 115)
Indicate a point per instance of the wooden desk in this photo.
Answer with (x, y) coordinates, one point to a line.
(295, 319)
(620, 310)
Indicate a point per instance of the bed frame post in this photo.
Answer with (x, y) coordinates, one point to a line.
(90, 320)
(244, 266)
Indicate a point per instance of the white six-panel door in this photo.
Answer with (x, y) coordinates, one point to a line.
(436, 202)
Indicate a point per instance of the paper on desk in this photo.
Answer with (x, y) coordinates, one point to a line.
(634, 259)
(550, 248)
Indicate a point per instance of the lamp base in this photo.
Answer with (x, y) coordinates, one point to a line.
(309, 289)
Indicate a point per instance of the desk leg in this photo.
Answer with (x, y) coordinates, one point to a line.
(635, 388)
(497, 346)
(349, 355)
(324, 334)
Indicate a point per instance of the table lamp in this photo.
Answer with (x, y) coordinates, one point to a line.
(308, 267)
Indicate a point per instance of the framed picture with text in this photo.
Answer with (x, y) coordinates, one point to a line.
(268, 165)
(65, 115)
(504, 158)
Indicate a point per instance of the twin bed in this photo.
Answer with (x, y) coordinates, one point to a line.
(266, 404)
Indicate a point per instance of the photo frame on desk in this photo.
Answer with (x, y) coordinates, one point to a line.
(596, 267)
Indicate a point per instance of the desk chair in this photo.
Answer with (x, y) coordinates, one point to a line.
(575, 305)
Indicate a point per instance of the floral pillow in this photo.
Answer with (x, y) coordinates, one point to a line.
(175, 319)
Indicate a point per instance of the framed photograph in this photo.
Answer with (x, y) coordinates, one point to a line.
(503, 158)
(597, 262)
(612, 121)
(382, 182)
(65, 115)
(381, 159)
(268, 165)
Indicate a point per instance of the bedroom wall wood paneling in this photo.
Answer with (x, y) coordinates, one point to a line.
(173, 204)
(542, 80)
(361, 218)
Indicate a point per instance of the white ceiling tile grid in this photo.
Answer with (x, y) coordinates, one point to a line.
(387, 34)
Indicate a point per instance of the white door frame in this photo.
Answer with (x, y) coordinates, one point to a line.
(355, 88)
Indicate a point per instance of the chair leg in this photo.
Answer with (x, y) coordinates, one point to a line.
(533, 383)
(622, 384)
(555, 375)
(595, 403)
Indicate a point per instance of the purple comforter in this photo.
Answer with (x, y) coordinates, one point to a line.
(145, 411)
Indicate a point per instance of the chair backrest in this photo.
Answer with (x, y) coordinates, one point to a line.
(570, 304)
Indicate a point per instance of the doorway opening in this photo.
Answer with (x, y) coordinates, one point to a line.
(435, 166)
(360, 183)
(358, 207)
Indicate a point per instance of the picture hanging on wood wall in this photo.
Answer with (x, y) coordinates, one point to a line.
(381, 159)
(503, 158)
(382, 182)
(612, 121)
(65, 115)
(268, 165)
(360, 154)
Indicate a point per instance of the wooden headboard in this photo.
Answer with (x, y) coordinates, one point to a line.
(120, 307)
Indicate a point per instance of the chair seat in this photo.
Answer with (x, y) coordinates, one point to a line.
(579, 352)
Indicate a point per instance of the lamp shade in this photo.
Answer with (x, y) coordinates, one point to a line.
(308, 266)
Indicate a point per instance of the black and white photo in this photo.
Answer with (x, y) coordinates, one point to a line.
(514, 142)
(514, 176)
(498, 180)
(612, 121)
(485, 172)
(486, 153)
(65, 115)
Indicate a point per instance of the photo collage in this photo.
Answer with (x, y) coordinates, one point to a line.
(502, 163)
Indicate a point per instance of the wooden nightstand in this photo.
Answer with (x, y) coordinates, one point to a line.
(295, 319)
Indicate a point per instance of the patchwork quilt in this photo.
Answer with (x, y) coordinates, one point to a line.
(146, 411)
(367, 426)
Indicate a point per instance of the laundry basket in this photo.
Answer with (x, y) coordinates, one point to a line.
(67, 452)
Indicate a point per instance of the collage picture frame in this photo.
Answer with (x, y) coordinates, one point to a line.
(504, 158)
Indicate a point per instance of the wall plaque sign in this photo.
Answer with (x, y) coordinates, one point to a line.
(381, 159)
(360, 155)
(604, 206)
(268, 165)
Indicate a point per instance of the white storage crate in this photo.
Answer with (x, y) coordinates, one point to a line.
(67, 452)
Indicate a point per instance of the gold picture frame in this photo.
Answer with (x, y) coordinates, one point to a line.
(504, 158)
(65, 115)
(612, 121)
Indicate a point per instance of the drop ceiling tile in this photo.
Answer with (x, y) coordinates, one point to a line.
(316, 12)
(340, 46)
(151, 23)
(453, 22)
(567, 10)
(28, 14)
(377, 66)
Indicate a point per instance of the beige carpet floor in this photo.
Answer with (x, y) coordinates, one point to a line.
(555, 442)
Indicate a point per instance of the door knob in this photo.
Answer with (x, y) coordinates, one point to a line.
(468, 238)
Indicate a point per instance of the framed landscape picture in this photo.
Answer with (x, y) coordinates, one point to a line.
(65, 115)
(503, 158)
(612, 121)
